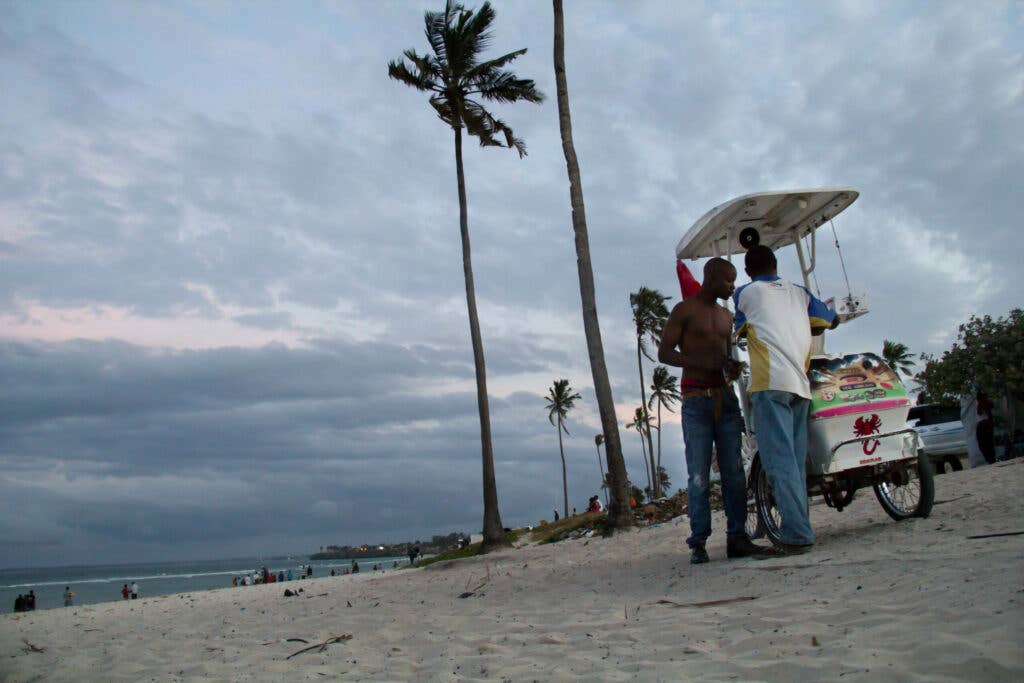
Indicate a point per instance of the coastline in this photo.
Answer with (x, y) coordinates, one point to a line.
(875, 600)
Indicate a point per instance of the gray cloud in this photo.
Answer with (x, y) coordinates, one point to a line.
(270, 183)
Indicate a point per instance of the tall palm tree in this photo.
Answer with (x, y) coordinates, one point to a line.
(898, 357)
(454, 75)
(649, 318)
(561, 399)
(619, 514)
(641, 423)
(598, 440)
(664, 391)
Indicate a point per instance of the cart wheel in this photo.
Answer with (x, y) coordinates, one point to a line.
(911, 498)
(768, 516)
(846, 497)
(753, 523)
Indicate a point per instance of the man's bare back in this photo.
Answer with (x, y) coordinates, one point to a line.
(698, 334)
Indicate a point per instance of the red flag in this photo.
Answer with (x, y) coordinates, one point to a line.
(687, 283)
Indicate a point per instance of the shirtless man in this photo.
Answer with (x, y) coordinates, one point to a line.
(698, 339)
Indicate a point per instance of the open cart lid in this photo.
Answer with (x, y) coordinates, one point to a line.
(780, 217)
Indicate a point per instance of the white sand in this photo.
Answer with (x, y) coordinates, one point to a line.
(876, 601)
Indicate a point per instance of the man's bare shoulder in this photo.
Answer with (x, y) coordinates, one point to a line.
(684, 307)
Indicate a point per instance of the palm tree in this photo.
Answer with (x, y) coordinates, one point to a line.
(641, 423)
(898, 357)
(649, 317)
(619, 514)
(664, 391)
(453, 76)
(598, 440)
(561, 399)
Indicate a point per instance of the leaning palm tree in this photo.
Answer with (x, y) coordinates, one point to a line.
(598, 440)
(649, 318)
(456, 79)
(641, 423)
(898, 357)
(619, 515)
(664, 391)
(561, 399)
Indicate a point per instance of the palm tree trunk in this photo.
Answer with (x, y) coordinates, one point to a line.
(658, 471)
(643, 455)
(565, 486)
(494, 534)
(601, 467)
(619, 514)
(655, 488)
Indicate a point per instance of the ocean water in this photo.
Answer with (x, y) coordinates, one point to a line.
(102, 583)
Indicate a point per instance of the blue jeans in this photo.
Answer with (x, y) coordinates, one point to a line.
(700, 431)
(780, 419)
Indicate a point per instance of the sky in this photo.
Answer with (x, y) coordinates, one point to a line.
(232, 309)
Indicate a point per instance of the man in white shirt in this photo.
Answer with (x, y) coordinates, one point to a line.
(778, 319)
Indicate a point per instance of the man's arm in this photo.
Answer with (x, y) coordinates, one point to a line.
(820, 315)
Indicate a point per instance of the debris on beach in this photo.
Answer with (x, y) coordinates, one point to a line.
(320, 647)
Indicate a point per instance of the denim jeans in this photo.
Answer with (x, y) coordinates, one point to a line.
(780, 419)
(700, 431)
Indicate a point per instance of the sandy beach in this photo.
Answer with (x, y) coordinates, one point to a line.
(876, 601)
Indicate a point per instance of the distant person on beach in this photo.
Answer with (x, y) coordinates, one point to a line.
(30, 601)
(985, 429)
(280, 575)
(124, 592)
(413, 552)
(19, 603)
(68, 596)
(355, 567)
(698, 339)
(556, 514)
(778, 318)
(135, 591)
(289, 575)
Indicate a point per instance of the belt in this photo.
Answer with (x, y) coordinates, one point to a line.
(714, 393)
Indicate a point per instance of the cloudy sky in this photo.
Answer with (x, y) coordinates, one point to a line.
(232, 316)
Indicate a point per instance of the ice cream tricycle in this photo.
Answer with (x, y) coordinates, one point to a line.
(857, 430)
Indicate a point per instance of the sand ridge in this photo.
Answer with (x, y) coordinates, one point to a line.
(877, 600)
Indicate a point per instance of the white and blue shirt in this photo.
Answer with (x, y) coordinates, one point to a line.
(776, 316)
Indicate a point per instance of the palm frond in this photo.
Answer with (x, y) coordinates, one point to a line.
(435, 26)
(486, 127)
(415, 78)
(484, 70)
(504, 86)
(473, 36)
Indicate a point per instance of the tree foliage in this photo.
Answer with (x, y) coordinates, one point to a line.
(987, 353)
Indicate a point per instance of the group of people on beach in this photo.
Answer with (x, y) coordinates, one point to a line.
(130, 591)
(265, 575)
(778, 319)
(25, 603)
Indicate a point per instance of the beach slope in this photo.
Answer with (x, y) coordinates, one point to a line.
(876, 600)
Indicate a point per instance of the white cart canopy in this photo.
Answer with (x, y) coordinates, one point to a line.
(780, 217)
